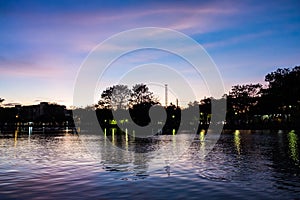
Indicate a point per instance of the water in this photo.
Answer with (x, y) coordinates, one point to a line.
(242, 165)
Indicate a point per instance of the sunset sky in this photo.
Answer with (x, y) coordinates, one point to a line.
(43, 43)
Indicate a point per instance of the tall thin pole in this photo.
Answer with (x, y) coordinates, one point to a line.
(166, 95)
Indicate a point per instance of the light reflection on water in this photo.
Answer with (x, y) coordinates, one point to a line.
(243, 164)
(237, 141)
(293, 146)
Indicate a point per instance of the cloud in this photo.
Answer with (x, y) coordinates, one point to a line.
(27, 68)
(238, 39)
(49, 40)
(75, 24)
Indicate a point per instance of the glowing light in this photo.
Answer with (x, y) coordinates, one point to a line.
(113, 122)
(173, 131)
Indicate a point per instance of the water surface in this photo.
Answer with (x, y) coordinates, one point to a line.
(242, 165)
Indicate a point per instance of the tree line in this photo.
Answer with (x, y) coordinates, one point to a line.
(249, 106)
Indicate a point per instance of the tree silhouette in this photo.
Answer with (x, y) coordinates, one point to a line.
(115, 97)
(140, 103)
(142, 95)
(120, 98)
(1, 100)
(243, 97)
(241, 101)
(284, 87)
(281, 100)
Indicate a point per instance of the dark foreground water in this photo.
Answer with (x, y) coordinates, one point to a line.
(242, 165)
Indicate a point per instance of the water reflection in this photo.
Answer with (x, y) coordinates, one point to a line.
(174, 142)
(113, 136)
(60, 162)
(293, 146)
(126, 139)
(202, 135)
(30, 130)
(237, 141)
(16, 136)
(121, 151)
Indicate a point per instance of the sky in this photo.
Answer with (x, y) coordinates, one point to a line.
(43, 44)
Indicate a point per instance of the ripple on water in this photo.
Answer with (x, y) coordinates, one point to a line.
(248, 167)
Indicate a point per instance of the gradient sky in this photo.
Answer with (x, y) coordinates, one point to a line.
(43, 43)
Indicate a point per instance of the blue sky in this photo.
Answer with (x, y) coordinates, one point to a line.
(43, 43)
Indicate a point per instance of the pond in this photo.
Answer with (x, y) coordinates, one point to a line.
(243, 164)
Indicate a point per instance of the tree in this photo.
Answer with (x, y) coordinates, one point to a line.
(142, 95)
(205, 110)
(140, 103)
(284, 87)
(283, 92)
(244, 97)
(119, 98)
(193, 104)
(241, 102)
(1, 100)
(115, 97)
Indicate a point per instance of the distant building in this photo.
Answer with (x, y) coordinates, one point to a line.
(43, 112)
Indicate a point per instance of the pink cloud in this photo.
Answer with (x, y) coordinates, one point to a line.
(237, 39)
(41, 68)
